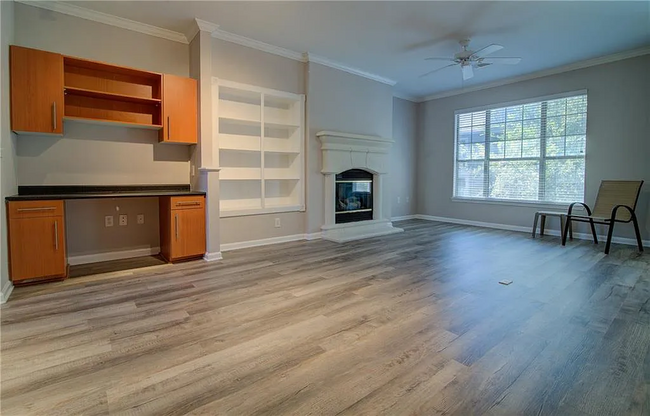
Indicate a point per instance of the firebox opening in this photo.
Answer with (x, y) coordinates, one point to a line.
(353, 196)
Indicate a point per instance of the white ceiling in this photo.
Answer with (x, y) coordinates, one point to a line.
(391, 39)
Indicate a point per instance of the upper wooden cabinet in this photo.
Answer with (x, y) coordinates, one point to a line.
(36, 91)
(48, 88)
(179, 110)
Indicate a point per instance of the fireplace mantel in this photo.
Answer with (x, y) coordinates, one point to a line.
(344, 151)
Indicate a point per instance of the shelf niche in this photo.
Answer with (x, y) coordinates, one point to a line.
(102, 93)
(261, 135)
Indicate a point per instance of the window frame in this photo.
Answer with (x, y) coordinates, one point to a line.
(542, 158)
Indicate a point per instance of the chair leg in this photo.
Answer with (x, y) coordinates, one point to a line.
(566, 228)
(542, 224)
(593, 231)
(610, 232)
(570, 230)
(636, 231)
(535, 224)
(562, 227)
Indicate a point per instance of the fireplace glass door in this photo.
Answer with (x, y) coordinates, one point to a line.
(353, 196)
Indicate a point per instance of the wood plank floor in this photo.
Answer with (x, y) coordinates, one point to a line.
(412, 323)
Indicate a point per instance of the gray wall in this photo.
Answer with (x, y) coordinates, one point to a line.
(7, 138)
(94, 238)
(403, 167)
(618, 141)
(89, 154)
(339, 101)
(238, 63)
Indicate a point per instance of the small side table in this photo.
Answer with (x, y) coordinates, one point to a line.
(543, 215)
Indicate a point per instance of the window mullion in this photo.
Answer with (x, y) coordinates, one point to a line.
(541, 193)
(486, 157)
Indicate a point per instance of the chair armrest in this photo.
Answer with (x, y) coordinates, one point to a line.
(586, 207)
(615, 209)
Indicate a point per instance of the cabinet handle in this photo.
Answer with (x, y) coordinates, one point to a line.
(54, 115)
(36, 209)
(168, 129)
(176, 225)
(186, 204)
(56, 235)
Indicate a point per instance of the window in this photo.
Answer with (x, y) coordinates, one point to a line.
(527, 152)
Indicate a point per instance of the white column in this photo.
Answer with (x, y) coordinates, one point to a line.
(330, 195)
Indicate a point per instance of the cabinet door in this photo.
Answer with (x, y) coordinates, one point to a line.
(179, 101)
(188, 233)
(37, 248)
(36, 91)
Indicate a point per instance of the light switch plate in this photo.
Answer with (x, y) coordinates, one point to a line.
(140, 219)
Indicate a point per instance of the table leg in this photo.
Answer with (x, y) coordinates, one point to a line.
(535, 224)
(542, 224)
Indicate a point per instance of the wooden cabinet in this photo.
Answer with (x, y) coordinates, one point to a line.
(179, 110)
(48, 88)
(36, 91)
(182, 227)
(36, 241)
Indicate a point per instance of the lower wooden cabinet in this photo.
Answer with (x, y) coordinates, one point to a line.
(182, 227)
(36, 241)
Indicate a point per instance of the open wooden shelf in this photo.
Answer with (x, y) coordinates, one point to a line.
(111, 96)
(88, 120)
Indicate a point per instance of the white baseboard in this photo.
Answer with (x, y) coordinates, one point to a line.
(6, 292)
(263, 242)
(213, 256)
(518, 228)
(113, 255)
(313, 236)
(404, 218)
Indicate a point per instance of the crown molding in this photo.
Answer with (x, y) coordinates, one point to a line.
(310, 57)
(199, 25)
(539, 74)
(406, 97)
(256, 44)
(107, 19)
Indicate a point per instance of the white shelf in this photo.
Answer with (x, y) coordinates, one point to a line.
(240, 174)
(261, 144)
(239, 111)
(239, 142)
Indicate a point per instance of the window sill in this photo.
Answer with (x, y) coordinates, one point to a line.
(530, 204)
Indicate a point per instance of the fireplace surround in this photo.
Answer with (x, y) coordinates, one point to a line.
(346, 156)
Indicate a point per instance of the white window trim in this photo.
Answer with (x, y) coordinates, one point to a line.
(513, 202)
(520, 102)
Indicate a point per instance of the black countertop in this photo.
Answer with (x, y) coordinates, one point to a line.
(44, 193)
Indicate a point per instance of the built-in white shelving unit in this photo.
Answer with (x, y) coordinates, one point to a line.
(261, 149)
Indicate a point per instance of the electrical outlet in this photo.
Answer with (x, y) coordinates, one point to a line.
(140, 219)
(399, 200)
(108, 221)
(278, 224)
(123, 220)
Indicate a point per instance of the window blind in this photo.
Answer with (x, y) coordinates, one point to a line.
(529, 152)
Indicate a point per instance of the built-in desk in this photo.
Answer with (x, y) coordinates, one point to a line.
(36, 219)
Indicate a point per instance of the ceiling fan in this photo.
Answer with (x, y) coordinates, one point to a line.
(469, 59)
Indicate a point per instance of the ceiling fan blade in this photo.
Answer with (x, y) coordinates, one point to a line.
(435, 58)
(436, 70)
(487, 50)
(505, 61)
(468, 72)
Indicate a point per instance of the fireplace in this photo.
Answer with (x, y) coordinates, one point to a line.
(353, 196)
(354, 168)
